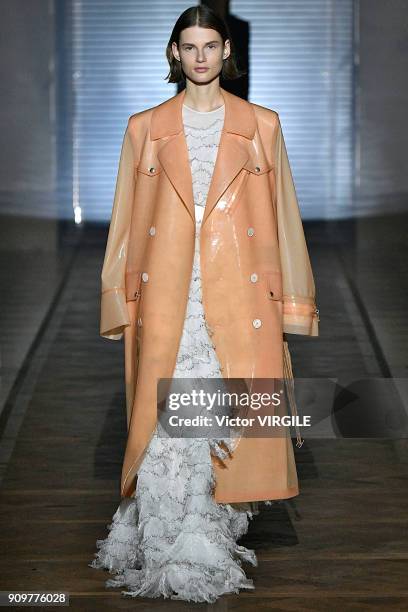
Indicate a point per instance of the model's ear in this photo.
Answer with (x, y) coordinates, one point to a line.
(175, 52)
(114, 313)
(227, 49)
(300, 315)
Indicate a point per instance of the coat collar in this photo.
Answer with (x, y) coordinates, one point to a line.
(234, 150)
(167, 117)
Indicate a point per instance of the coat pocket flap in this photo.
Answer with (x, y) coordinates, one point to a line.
(257, 167)
(133, 285)
(274, 285)
(151, 168)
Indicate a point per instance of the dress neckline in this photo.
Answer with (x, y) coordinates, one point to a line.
(204, 112)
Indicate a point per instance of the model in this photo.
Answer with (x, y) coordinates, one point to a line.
(206, 266)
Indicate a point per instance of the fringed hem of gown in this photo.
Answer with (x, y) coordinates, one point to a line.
(172, 539)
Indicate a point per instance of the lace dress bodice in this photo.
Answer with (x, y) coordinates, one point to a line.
(196, 356)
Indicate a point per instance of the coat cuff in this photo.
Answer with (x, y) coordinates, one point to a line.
(114, 313)
(300, 316)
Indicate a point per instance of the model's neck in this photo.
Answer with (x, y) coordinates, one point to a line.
(203, 98)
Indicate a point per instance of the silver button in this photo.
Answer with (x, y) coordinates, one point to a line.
(139, 322)
(257, 169)
(254, 277)
(145, 277)
(152, 230)
(257, 323)
(152, 169)
(250, 231)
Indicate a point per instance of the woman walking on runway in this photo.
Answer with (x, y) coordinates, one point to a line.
(203, 194)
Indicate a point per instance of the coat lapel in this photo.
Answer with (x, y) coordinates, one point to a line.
(173, 157)
(233, 151)
(231, 157)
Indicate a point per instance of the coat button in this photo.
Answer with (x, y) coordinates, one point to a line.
(152, 169)
(152, 230)
(254, 277)
(136, 294)
(145, 277)
(257, 323)
(250, 231)
(257, 169)
(139, 322)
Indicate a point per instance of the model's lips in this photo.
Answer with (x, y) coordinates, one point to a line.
(201, 69)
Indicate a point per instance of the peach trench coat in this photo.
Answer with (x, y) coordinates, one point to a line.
(256, 276)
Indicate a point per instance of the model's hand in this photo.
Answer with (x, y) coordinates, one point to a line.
(216, 448)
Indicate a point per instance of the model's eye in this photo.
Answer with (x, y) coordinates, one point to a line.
(187, 48)
(212, 46)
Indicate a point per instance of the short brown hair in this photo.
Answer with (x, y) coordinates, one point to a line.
(204, 17)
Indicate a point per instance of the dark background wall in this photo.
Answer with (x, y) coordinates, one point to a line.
(27, 103)
(382, 102)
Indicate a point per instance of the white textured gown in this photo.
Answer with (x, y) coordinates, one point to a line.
(171, 538)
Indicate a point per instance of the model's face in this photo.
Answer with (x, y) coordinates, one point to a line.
(201, 53)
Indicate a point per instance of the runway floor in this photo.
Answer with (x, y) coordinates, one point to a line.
(342, 544)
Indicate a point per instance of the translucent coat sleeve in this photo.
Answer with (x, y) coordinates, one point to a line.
(300, 315)
(114, 313)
